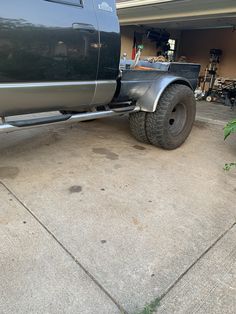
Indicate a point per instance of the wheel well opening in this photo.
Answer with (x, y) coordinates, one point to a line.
(182, 82)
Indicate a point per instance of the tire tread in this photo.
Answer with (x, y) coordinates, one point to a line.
(155, 128)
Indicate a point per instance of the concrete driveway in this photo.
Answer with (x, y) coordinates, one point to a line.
(92, 221)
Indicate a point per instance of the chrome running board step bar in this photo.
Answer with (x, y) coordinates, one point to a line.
(11, 126)
(39, 121)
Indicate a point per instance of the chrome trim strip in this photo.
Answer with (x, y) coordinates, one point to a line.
(52, 84)
(45, 84)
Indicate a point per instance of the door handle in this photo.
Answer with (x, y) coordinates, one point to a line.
(83, 27)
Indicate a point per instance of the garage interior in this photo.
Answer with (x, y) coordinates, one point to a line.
(194, 28)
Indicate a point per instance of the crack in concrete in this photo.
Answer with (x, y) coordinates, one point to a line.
(159, 299)
(122, 310)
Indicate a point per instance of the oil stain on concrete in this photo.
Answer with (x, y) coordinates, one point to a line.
(9, 172)
(200, 125)
(106, 152)
(117, 166)
(75, 189)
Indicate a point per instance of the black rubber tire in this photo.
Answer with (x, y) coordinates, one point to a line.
(137, 122)
(170, 125)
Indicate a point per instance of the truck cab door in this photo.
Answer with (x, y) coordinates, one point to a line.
(52, 43)
(109, 56)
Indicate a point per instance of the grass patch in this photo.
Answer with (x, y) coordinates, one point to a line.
(151, 307)
(229, 166)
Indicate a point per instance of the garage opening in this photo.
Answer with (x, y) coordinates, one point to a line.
(183, 31)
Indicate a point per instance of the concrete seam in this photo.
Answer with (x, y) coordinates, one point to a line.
(210, 121)
(65, 249)
(196, 261)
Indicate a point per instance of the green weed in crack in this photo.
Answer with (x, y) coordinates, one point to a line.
(229, 129)
(151, 307)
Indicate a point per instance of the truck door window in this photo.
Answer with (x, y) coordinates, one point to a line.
(77, 3)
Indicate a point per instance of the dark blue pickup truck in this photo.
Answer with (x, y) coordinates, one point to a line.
(64, 56)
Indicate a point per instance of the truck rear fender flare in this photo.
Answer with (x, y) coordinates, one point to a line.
(149, 101)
